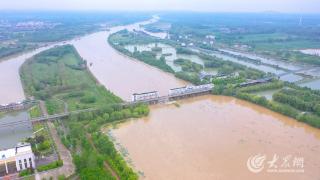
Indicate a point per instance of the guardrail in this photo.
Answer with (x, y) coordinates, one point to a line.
(160, 99)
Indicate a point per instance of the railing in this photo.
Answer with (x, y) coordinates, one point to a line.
(171, 96)
(55, 116)
(156, 100)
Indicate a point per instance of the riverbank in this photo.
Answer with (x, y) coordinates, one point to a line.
(120, 74)
(191, 66)
(60, 74)
(290, 105)
(299, 103)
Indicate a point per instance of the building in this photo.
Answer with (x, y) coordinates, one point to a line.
(16, 159)
(145, 96)
(190, 89)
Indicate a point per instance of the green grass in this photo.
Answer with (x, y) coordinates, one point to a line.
(59, 76)
(26, 172)
(54, 106)
(49, 166)
(35, 111)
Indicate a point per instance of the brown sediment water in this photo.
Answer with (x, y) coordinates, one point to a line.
(11, 89)
(120, 74)
(212, 137)
(109, 67)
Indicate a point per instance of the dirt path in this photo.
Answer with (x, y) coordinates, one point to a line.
(68, 167)
(43, 108)
(106, 165)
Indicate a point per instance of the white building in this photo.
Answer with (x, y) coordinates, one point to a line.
(188, 89)
(21, 155)
(145, 96)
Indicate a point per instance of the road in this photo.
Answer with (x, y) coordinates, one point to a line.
(68, 167)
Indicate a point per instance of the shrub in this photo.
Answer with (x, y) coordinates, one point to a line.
(49, 166)
(44, 145)
(26, 172)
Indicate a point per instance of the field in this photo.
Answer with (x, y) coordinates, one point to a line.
(270, 34)
(53, 27)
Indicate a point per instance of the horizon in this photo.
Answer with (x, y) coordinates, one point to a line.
(155, 12)
(206, 6)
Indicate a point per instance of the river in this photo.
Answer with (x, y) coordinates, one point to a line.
(11, 91)
(11, 88)
(120, 74)
(207, 137)
(212, 137)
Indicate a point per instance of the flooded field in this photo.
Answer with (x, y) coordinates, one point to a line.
(292, 66)
(260, 67)
(282, 64)
(212, 137)
(168, 51)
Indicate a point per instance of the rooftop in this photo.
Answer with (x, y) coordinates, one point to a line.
(21, 148)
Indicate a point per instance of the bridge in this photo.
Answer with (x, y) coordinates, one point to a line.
(15, 106)
(174, 94)
(144, 98)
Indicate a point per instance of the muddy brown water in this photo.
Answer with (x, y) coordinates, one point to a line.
(212, 137)
(120, 74)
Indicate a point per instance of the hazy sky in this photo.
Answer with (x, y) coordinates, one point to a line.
(312, 6)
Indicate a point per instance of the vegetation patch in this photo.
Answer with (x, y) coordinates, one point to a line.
(120, 39)
(49, 166)
(41, 142)
(300, 103)
(60, 78)
(35, 111)
(26, 172)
